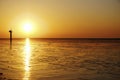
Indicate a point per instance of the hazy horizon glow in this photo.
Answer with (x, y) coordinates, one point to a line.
(61, 18)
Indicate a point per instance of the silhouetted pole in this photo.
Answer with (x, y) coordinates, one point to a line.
(10, 39)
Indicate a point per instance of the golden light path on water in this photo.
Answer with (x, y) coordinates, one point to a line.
(27, 59)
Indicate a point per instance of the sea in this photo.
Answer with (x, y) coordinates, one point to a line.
(60, 59)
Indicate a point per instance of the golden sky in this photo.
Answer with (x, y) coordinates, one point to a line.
(60, 18)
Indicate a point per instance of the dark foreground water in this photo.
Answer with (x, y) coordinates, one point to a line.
(60, 59)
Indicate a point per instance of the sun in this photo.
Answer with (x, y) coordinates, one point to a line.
(27, 27)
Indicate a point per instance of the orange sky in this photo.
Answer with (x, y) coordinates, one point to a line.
(61, 18)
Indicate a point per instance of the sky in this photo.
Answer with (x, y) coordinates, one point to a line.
(60, 18)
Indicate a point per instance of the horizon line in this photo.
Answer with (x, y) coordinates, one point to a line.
(67, 38)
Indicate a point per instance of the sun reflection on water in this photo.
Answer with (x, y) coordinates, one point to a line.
(27, 59)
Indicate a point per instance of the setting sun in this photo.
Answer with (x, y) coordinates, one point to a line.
(27, 27)
(59, 39)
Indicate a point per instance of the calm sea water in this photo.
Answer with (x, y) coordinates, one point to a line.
(35, 59)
